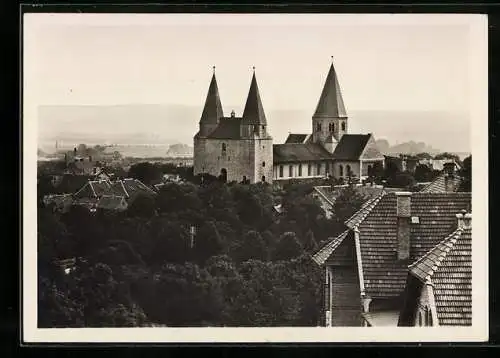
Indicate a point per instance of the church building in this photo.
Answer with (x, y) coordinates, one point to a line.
(234, 148)
(241, 148)
(329, 150)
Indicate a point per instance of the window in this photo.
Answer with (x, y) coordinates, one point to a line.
(343, 126)
(318, 169)
(309, 169)
(331, 127)
(263, 164)
(300, 170)
(327, 166)
(341, 170)
(290, 170)
(428, 316)
(224, 148)
(348, 169)
(263, 178)
(281, 171)
(263, 127)
(318, 127)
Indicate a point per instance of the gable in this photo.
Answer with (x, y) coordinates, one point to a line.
(351, 146)
(371, 150)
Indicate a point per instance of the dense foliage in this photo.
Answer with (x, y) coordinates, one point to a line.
(245, 265)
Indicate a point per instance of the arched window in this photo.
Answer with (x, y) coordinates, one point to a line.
(341, 170)
(348, 169)
(318, 169)
(331, 127)
(281, 171)
(343, 126)
(300, 170)
(224, 148)
(309, 169)
(290, 170)
(263, 164)
(318, 127)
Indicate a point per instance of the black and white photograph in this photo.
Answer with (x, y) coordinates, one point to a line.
(254, 177)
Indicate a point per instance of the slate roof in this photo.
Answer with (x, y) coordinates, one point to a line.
(448, 266)
(254, 111)
(438, 184)
(228, 128)
(295, 153)
(384, 276)
(296, 138)
(330, 103)
(212, 110)
(324, 253)
(351, 146)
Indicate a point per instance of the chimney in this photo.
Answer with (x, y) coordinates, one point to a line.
(403, 208)
(74, 151)
(449, 168)
(464, 220)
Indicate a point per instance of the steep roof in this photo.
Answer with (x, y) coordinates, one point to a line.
(212, 110)
(254, 111)
(324, 252)
(298, 152)
(448, 266)
(438, 184)
(351, 146)
(228, 128)
(384, 275)
(296, 138)
(330, 103)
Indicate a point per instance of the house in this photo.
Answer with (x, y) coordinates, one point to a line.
(366, 266)
(447, 181)
(402, 162)
(439, 164)
(329, 150)
(61, 202)
(439, 285)
(112, 203)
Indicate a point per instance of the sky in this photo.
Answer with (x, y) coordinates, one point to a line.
(384, 62)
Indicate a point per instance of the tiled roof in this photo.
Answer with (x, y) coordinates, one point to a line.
(448, 266)
(324, 253)
(110, 202)
(330, 103)
(438, 184)
(351, 146)
(296, 138)
(365, 209)
(227, 129)
(384, 275)
(330, 194)
(294, 153)
(125, 188)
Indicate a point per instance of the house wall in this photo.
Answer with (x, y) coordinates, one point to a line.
(304, 165)
(345, 291)
(366, 163)
(355, 167)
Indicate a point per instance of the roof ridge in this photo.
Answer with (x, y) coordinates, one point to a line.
(369, 203)
(337, 239)
(448, 242)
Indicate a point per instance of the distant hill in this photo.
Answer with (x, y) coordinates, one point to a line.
(170, 124)
(180, 150)
(410, 147)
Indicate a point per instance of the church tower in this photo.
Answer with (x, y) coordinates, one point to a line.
(330, 118)
(253, 122)
(212, 112)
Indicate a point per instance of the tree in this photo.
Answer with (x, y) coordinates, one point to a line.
(145, 172)
(447, 155)
(288, 247)
(143, 205)
(466, 174)
(310, 244)
(252, 246)
(423, 155)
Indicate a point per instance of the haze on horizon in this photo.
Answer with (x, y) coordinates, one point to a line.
(413, 64)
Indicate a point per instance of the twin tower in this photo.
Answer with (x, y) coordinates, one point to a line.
(234, 148)
(240, 148)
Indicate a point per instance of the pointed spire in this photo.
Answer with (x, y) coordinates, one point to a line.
(213, 107)
(330, 103)
(254, 111)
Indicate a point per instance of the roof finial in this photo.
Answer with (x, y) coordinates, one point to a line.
(253, 68)
(332, 59)
(213, 67)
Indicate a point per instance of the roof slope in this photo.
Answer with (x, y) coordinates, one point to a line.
(351, 146)
(330, 103)
(212, 110)
(297, 152)
(111, 202)
(324, 253)
(296, 138)
(254, 111)
(385, 276)
(448, 266)
(438, 184)
(228, 128)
